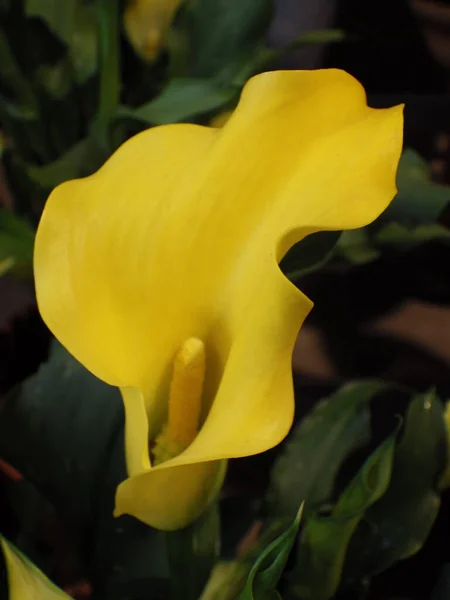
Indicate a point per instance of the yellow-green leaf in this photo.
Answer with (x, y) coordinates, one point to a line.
(25, 580)
(268, 567)
(307, 468)
(325, 538)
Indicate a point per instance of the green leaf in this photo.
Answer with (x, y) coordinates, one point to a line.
(398, 525)
(361, 246)
(307, 469)
(318, 36)
(21, 100)
(269, 566)
(325, 539)
(192, 552)
(356, 247)
(16, 244)
(63, 430)
(419, 200)
(229, 578)
(25, 580)
(309, 254)
(74, 23)
(222, 32)
(226, 581)
(401, 237)
(182, 100)
(82, 159)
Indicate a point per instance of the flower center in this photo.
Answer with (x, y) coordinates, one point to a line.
(185, 401)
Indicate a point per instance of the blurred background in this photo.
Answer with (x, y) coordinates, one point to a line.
(382, 294)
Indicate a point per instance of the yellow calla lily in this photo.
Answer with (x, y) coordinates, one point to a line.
(160, 272)
(25, 580)
(147, 23)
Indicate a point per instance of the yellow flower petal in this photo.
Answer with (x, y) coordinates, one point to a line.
(170, 499)
(178, 236)
(25, 580)
(147, 23)
(167, 499)
(192, 489)
(221, 119)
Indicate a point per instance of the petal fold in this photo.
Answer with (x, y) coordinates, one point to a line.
(170, 499)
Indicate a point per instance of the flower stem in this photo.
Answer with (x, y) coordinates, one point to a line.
(192, 553)
(109, 58)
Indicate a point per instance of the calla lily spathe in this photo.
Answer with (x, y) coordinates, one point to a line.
(25, 580)
(178, 237)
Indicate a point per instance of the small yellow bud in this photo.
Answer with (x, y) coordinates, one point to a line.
(147, 23)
